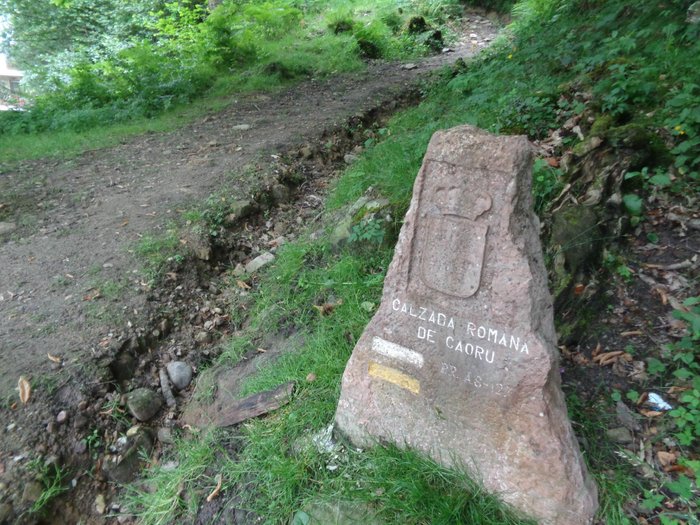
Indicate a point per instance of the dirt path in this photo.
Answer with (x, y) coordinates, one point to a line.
(76, 222)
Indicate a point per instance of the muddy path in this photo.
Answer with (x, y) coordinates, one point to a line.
(74, 295)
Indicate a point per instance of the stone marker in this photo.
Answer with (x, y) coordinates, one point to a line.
(460, 359)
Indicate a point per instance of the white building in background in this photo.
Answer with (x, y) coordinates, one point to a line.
(9, 77)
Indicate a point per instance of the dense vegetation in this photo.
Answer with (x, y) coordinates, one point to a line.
(93, 62)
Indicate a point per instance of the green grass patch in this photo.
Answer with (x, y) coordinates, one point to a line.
(158, 251)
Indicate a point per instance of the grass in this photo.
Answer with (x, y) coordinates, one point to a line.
(168, 499)
(51, 478)
(68, 143)
(158, 251)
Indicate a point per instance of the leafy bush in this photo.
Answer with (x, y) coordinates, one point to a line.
(184, 50)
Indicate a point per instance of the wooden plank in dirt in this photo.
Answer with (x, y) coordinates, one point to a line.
(255, 405)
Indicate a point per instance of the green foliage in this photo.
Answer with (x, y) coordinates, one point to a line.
(371, 231)
(546, 184)
(51, 477)
(181, 51)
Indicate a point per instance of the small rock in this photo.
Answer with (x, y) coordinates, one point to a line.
(180, 374)
(202, 337)
(11, 427)
(169, 465)
(32, 492)
(311, 377)
(626, 417)
(165, 435)
(80, 421)
(100, 505)
(143, 403)
(409, 66)
(62, 417)
(7, 227)
(620, 435)
(238, 209)
(260, 261)
(349, 158)
(80, 447)
(51, 428)
(241, 127)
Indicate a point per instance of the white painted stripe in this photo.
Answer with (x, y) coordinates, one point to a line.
(398, 352)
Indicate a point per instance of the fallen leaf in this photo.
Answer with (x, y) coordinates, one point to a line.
(677, 390)
(95, 294)
(217, 489)
(242, 285)
(680, 468)
(606, 356)
(597, 350)
(261, 350)
(632, 333)
(665, 458)
(553, 162)
(327, 308)
(25, 389)
(53, 358)
(311, 377)
(579, 289)
(664, 297)
(650, 413)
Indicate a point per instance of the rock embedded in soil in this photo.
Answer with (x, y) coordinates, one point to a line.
(165, 435)
(259, 262)
(202, 337)
(620, 435)
(62, 417)
(32, 492)
(180, 374)
(460, 360)
(143, 403)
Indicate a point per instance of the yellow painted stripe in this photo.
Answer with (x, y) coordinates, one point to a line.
(394, 376)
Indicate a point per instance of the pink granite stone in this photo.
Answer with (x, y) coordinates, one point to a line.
(460, 361)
